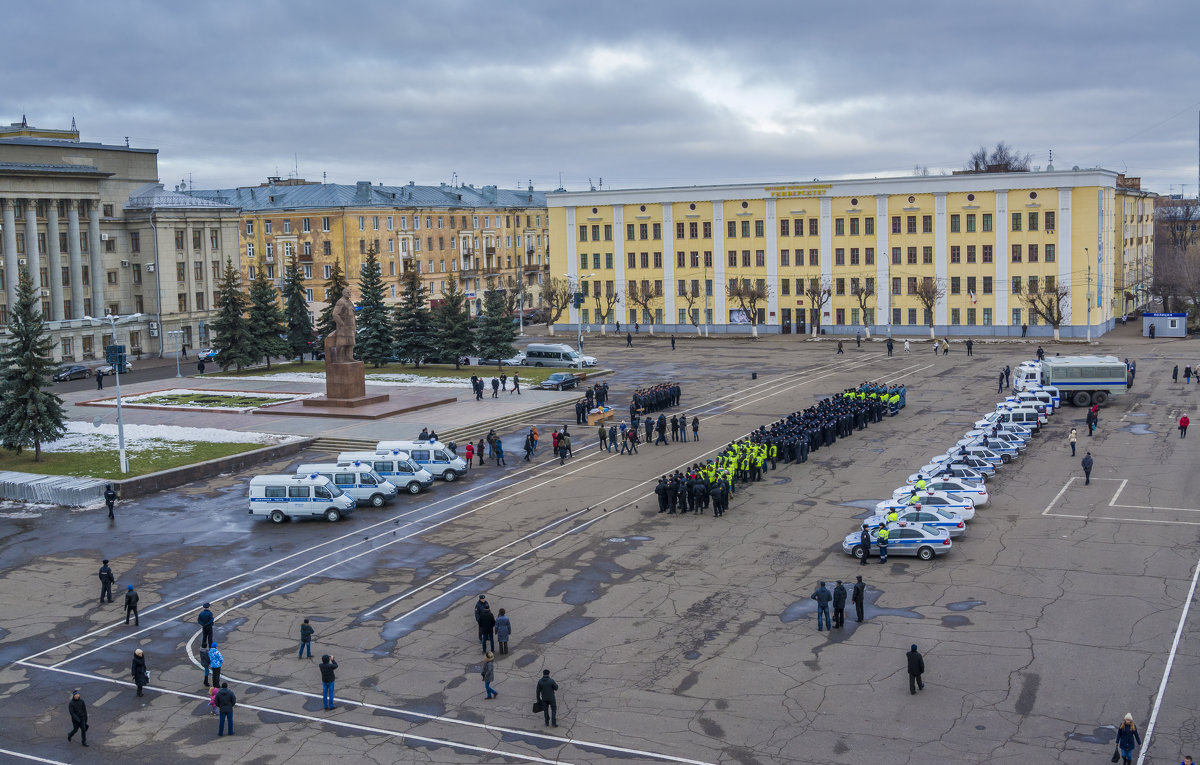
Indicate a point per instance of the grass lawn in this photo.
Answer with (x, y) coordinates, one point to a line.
(529, 375)
(225, 400)
(105, 463)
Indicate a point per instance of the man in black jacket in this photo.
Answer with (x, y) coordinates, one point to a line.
(205, 620)
(839, 605)
(226, 701)
(916, 668)
(131, 604)
(110, 499)
(327, 666)
(79, 721)
(545, 694)
(487, 628)
(141, 675)
(857, 598)
(106, 581)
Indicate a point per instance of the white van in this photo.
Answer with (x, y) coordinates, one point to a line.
(1027, 374)
(433, 456)
(555, 355)
(1041, 417)
(397, 467)
(358, 481)
(280, 497)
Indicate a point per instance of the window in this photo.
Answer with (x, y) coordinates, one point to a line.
(971, 281)
(1016, 285)
(840, 315)
(987, 254)
(912, 285)
(583, 233)
(955, 253)
(643, 231)
(912, 315)
(657, 228)
(745, 228)
(1032, 253)
(327, 271)
(839, 288)
(308, 271)
(1049, 282)
(693, 230)
(926, 224)
(839, 256)
(694, 259)
(970, 253)
(987, 222)
(1016, 221)
(135, 241)
(971, 316)
(112, 277)
(896, 285)
(1033, 221)
(869, 227)
(895, 224)
(183, 303)
(1016, 253)
(785, 286)
(178, 242)
(955, 285)
(987, 285)
(758, 228)
(814, 258)
(954, 223)
(746, 258)
(912, 256)
(180, 272)
(707, 229)
(199, 301)
(595, 232)
(583, 261)
(813, 227)
(733, 258)
(869, 256)
(679, 259)
(785, 227)
(854, 256)
(954, 316)
(912, 224)
(1033, 285)
(731, 229)
(854, 227)
(970, 223)
(1049, 253)
(839, 226)
(607, 231)
(987, 317)
(896, 316)
(679, 230)
(658, 260)
(608, 260)
(896, 256)
(708, 261)
(1049, 220)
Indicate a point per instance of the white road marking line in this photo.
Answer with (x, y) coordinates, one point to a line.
(385, 732)
(1162, 688)
(1113, 502)
(1058, 496)
(31, 757)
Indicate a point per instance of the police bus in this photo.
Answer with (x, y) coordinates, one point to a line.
(1084, 380)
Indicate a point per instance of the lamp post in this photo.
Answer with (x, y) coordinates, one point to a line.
(178, 333)
(112, 321)
(579, 317)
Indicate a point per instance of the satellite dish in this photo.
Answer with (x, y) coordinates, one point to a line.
(96, 422)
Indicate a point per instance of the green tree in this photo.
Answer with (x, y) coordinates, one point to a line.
(333, 292)
(496, 336)
(295, 309)
(234, 344)
(374, 321)
(452, 324)
(29, 413)
(266, 319)
(414, 335)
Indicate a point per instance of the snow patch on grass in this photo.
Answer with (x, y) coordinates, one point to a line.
(393, 379)
(84, 437)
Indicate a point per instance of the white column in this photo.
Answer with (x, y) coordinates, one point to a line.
(572, 263)
(1000, 258)
(826, 238)
(10, 252)
(939, 256)
(1065, 254)
(54, 261)
(32, 256)
(720, 314)
(619, 261)
(772, 263)
(95, 264)
(668, 240)
(883, 259)
(75, 259)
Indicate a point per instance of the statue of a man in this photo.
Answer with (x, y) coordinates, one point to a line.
(339, 344)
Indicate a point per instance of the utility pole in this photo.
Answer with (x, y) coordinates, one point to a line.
(1089, 295)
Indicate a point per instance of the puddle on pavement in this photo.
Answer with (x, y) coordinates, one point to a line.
(808, 607)
(955, 620)
(1138, 429)
(629, 539)
(1105, 735)
(692, 655)
(1137, 414)
(865, 504)
(964, 605)
(561, 627)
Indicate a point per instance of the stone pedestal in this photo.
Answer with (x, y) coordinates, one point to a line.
(345, 387)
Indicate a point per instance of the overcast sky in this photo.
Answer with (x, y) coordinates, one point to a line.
(639, 94)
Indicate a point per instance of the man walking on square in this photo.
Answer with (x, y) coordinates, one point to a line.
(545, 695)
(916, 668)
(857, 598)
(1087, 468)
(131, 605)
(106, 581)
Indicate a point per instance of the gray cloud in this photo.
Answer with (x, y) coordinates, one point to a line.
(651, 93)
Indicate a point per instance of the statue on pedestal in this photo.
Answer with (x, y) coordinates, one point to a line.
(339, 344)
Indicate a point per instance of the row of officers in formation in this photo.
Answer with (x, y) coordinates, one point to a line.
(654, 399)
(788, 440)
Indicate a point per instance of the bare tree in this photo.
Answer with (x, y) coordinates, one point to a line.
(642, 296)
(557, 294)
(604, 305)
(749, 296)
(818, 292)
(692, 297)
(1176, 273)
(1049, 306)
(1002, 159)
(928, 293)
(864, 294)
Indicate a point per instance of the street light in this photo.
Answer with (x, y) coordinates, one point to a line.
(578, 318)
(179, 333)
(112, 321)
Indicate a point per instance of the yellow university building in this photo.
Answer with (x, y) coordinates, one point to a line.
(858, 255)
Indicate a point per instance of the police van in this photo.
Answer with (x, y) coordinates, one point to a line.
(434, 456)
(1083, 380)
(280, 497)
(396, 466)
(555, 355)
(358, 481)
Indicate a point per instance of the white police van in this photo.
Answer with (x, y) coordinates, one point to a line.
(396, 466)
(434, 456)
(555, 355)
(280, 497)
(358, 481)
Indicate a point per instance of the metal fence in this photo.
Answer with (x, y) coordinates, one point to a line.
(51, 489)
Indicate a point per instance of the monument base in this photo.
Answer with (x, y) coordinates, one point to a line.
(345, 403)
(345, 380)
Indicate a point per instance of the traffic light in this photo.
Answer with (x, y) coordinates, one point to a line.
(578, 299)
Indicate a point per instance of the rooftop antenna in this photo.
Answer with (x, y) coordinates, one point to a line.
(126, 137)
(323, 177)
(602, 183)
(295, 165)
(76, 129)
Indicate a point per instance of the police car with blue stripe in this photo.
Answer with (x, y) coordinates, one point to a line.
(903, 539)
(916, 515)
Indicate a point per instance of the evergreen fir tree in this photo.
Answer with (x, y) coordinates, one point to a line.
(333, 292)
(496, 336)
(266, 319)
(374, 342)
(452, 325)
(299, 322)
(30, 415)
(414, 339)
(234, 344)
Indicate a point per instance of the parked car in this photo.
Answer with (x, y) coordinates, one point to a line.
(903, 539)
(107, 369)
(207, 355)
(72, 372)
(513, 361)
(559, 381)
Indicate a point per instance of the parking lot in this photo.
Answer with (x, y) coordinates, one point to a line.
(684, 639)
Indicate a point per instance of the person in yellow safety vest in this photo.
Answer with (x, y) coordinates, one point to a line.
(920, 483)
(773, 452)
(882, 539)
(914, 499)
(744, 467)
(893, 516)
(758, 464)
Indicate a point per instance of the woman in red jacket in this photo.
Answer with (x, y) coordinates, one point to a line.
(1183, 423)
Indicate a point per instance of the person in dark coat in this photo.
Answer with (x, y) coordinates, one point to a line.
(110, 499)
(99, 380)
(489, 674)
(864, 539)
(141, 675)
(1127, 734)
(856, 597)
(205, 619)
(545, 694)
(487, 629)
(916, 668)
(327, 667)
(106, 581)
(131, 605)
(503, 629)
(479, 606)
(628, 340)
(1175, 374)
(1087, 468)
(822, 596)
(79, 721)
(306, 634)
(839, 605)
(226, 701)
